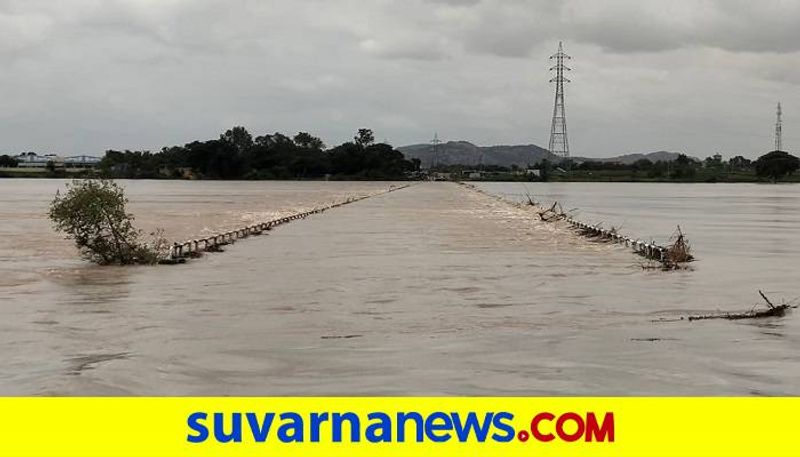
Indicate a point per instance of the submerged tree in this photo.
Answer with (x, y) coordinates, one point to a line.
(92, 213)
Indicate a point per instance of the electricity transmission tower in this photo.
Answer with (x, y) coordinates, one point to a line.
(559, 145)
(435, 156)
(779, 131)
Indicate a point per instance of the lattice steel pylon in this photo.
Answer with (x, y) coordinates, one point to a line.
(435, 150)
(779, 131)
(559, 143)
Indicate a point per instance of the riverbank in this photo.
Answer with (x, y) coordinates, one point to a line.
(45, 173)
(702, 176)
(70, 173)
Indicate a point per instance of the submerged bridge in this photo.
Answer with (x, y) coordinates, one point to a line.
(180, 251)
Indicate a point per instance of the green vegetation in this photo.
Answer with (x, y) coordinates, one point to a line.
(774, 166)
(237, 155)
(92, 213)
(7, 161)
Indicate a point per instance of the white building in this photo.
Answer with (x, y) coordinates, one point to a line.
(81, 161)
(33, 160)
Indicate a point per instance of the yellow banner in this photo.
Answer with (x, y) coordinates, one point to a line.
(375, 427)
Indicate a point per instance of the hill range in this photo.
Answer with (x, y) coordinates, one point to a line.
(466, 153)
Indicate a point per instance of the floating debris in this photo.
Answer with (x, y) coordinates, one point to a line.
(340, 337)
(771, 311)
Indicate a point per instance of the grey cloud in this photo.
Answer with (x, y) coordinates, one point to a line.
(456, 2)
(86, 75)
(404, 49)
(515, 27)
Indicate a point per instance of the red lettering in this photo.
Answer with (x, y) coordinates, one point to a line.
(571, 427)
(543, 437)
(600, 433)
(566, 436)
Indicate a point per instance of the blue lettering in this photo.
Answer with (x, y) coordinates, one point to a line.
(316, 425)
(236, 428)
(355, 427)
(384, 425)
(402, 418)
(294, 424)
(503, 426)
(431, 427)
(464, 430)
(195, 425)
(260, 431)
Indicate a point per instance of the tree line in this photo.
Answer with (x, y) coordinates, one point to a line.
(772, 166)
(238, 155)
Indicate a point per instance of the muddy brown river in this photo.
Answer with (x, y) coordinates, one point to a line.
(430, 290)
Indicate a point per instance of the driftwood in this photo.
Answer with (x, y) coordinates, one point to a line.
(554, 213)
(772, 311)
(680, 250)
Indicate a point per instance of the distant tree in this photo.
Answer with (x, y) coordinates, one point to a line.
(8, 162)
(239, 137)
(50, 166)
(216, 158)
(683, 167)
(740, 163)
(714, 161)
(377, 161)
(545, 168)
(567, 164)
(131, 164)
(642, 164)
(776, 164)
(657, 170)
(307, 141)
(274, 139)
(364, 137)
(92, 214)
(348, 159)
(237, 155)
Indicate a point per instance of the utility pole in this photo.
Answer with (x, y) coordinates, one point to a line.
(559, 144)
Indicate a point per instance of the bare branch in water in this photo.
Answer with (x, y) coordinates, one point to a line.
(773, 311)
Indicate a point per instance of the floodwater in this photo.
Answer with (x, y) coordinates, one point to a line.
(431, 290)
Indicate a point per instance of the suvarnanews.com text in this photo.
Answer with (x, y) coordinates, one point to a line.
(401, 427)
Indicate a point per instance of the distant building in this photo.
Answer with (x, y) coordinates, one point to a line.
(81, 162)
(33, 160)
(474, 174)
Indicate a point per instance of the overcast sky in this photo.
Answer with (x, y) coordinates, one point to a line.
(83, 76)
